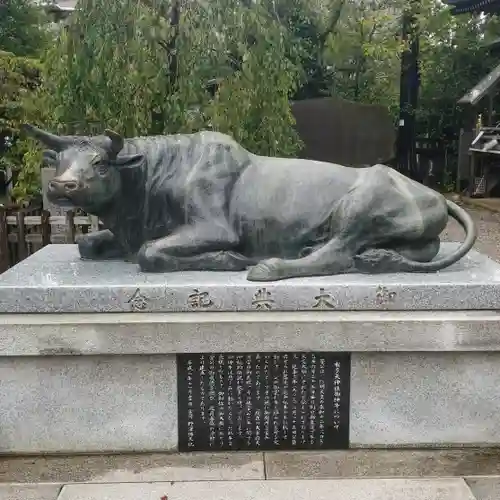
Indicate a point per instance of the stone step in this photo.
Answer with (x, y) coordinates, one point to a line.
(350, 475)
(135, 468)
(320, 489)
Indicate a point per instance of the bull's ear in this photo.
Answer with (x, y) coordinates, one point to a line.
(127, 161)
(50, 158)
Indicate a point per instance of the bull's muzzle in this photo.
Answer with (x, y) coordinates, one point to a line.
(62, 188)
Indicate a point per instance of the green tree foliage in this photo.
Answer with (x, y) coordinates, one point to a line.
(22, 37)
(21, 29)
(453, 59)
(309, 25)
(366, 52)
(150, 67)
(252, 103)
(168, 66)
(19, 77)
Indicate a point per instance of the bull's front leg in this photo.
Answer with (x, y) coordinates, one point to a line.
(202, 246)
(100, 245)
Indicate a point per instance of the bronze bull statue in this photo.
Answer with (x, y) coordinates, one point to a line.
(203, 202)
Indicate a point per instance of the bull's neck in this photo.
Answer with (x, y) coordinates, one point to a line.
(124, 216)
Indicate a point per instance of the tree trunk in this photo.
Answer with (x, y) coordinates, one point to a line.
(408, 99)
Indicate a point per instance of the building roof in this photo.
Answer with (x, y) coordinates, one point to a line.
(485, 86)
(67, 4)
(463, 6)
(59, 5)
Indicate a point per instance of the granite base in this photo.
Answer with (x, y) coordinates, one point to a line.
(103, 404)
(56, 280)
(83, 370)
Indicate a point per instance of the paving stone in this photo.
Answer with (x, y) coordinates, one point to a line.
(133, 468)
(29, 491)
(351, 489)
(383, 463)
(484, 488)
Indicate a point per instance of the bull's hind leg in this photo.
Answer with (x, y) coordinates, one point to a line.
(384, 260)
(379, 209)
(335, 257)
(423, 251)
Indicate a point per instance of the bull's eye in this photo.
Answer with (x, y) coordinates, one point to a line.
(102, 170)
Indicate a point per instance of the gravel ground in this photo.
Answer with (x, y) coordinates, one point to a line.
(488, 226)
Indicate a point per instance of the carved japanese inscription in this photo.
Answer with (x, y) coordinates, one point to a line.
(262, 300)
(384, 295)
(199, 300)
(138, 302)
(324, 300)
(263, 401)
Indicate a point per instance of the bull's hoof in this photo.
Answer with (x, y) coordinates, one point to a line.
(87, 249)
(378, 261)
(267, 270)
(149, 261)
(152, 261)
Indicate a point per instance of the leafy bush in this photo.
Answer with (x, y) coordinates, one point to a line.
(19, 77)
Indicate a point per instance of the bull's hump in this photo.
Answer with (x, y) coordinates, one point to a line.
(211, 135)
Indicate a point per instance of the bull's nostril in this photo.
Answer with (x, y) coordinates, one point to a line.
(70, 186)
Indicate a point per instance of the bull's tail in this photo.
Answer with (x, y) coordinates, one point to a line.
(379, 260)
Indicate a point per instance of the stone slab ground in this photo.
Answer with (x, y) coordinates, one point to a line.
(486, 215)
(352, 489)
(320, 489)
(303, 489)
(467, 474)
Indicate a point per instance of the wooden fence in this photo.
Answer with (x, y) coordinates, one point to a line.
(23, 231)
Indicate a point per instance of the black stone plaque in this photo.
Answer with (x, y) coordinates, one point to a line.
(251, 401)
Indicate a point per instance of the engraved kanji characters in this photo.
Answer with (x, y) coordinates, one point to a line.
(262, 300)
(199, 300)
(383, 295)
(138, 301)
(324, 300)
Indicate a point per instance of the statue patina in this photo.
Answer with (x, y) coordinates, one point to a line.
(203, 202)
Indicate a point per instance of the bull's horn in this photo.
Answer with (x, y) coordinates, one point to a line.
(117, 141)
(50, 140)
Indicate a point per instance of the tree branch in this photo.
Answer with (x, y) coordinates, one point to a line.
(334, 20)
(173, 17)
(372, 32)
(161, 9)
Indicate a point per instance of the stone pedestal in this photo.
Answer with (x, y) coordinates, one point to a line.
(89, 350)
